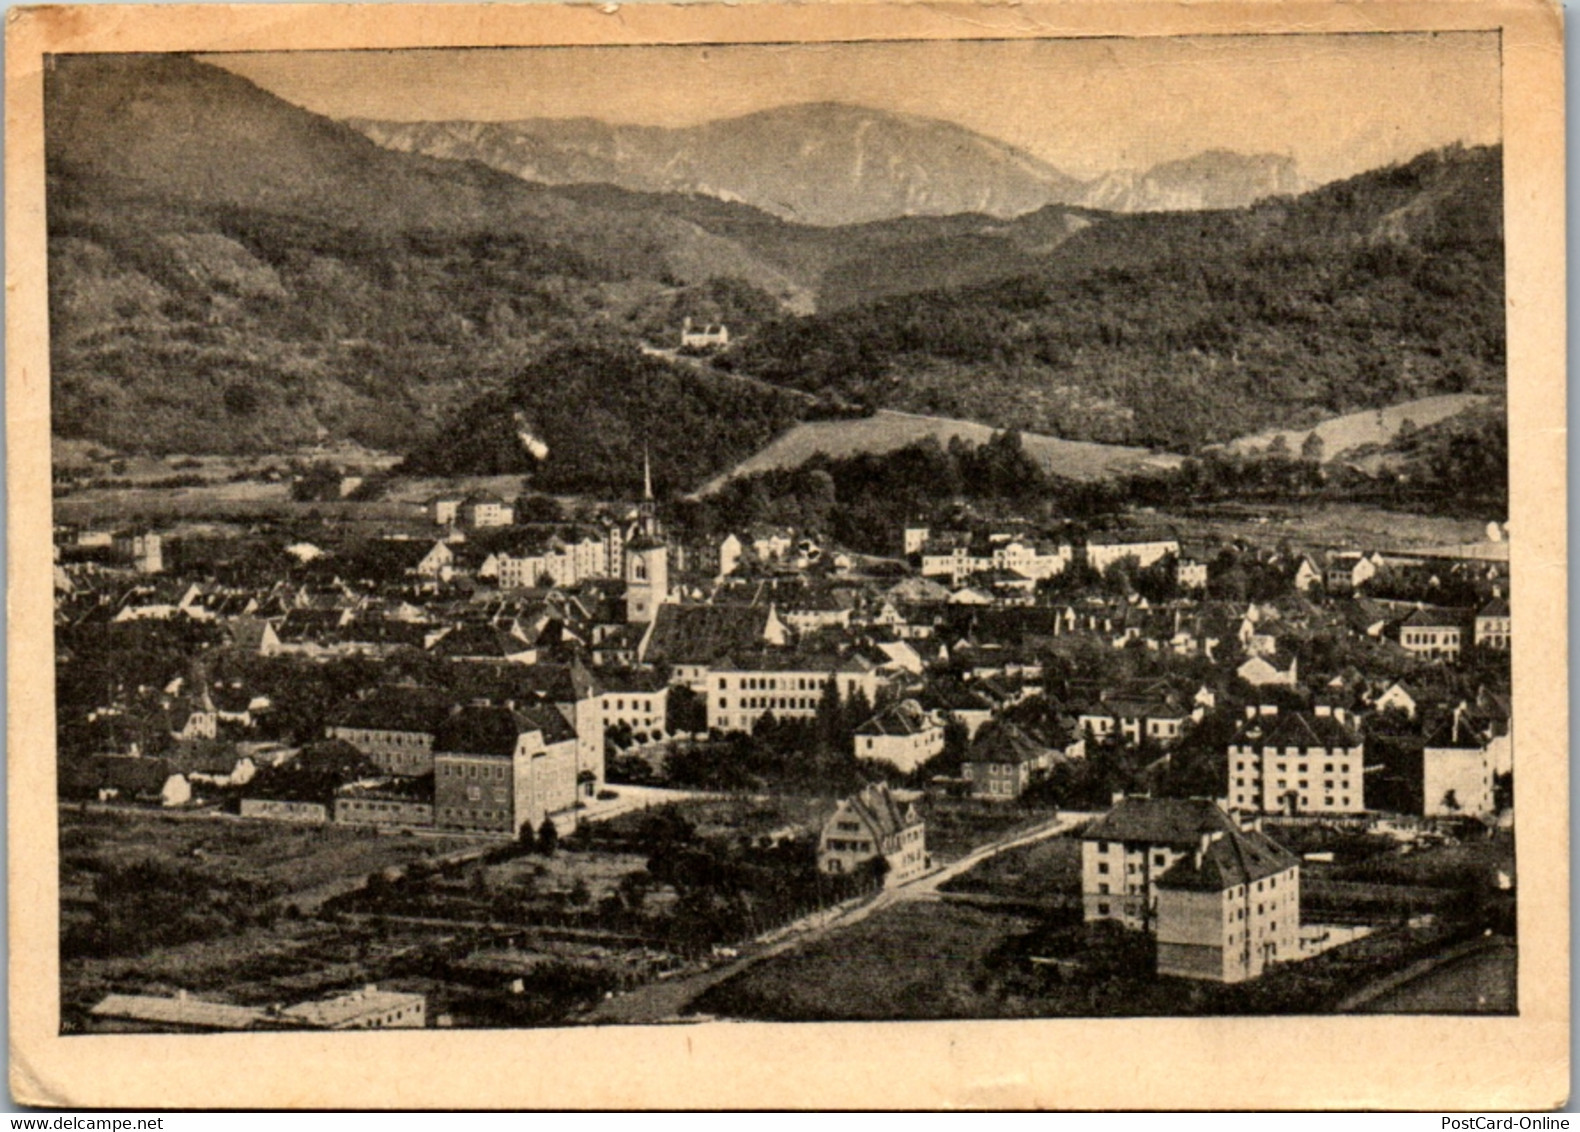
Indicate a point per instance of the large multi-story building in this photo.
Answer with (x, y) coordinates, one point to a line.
(1297, 762)
(1101, 553)
(636, 698)
(1125, 852)
(485, 509)
(1434, 634)
(394, 727)
(1228, 908)
(786, 685)
(498, 768)
(1457, 772)
(1025, 558)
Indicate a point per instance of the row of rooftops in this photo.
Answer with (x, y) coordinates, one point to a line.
(906, 596)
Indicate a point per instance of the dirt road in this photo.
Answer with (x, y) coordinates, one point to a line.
(666, 1000)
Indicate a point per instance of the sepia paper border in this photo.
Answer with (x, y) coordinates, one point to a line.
(1214, 1063)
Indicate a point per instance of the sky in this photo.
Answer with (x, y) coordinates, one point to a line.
(1338, 104)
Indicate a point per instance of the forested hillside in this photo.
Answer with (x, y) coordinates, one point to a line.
(1181, 329)
(595, 409)
(228, 272)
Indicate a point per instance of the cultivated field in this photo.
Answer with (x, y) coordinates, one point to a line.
(600, 873)
(1035, 872)
(1357, 430)
(888, 429)
(298, 861)
(914, 961)
(1319, 526)
(755, 817)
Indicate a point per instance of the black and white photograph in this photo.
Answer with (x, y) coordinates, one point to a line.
(876, 531)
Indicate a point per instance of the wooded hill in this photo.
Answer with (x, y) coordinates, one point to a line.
(1179, 329)
(595, 408)
(229, 272)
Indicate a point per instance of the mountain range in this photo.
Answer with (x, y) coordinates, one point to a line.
(229, 271)
(830, 164)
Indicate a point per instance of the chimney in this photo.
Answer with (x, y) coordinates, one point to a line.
(1324, 709)
(1118, 797)
(1207, 838)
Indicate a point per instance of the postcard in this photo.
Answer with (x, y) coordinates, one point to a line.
(787, 555)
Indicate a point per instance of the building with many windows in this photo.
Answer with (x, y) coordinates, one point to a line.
(497, 768)
(395, 803)
(1101, 553)
(637, 698)
(1493, 624)
(1228, 908)
(958, 560)
(1434, 634)
(1003, 761)
(394, 727)
(787, 685)
(485, 509)
(1297, 762)
(1126, 851)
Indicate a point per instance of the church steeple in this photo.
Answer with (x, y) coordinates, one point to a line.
(648, 509)
(646, 556)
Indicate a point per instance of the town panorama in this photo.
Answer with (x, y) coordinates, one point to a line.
(817, 562)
